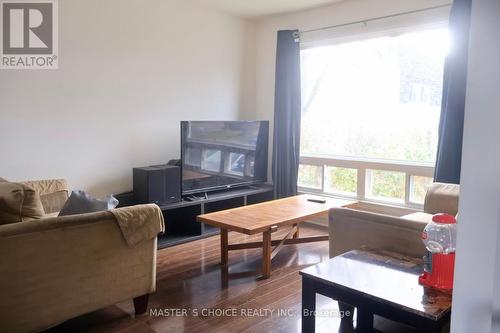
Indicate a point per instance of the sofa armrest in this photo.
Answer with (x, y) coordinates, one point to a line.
(442, 198)
(57, 268)
(351, 229)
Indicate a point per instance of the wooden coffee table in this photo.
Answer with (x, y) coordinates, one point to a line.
(266, 218)
(375, 282)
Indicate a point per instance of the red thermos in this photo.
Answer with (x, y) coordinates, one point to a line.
(439, 237)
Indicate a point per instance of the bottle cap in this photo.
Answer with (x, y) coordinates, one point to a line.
(444, 218)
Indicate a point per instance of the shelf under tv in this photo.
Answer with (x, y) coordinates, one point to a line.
(180, 217)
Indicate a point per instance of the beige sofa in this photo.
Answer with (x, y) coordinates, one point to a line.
(56, 268)
(351, 229)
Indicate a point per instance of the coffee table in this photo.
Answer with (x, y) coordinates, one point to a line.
(375, 282)
(266, 218)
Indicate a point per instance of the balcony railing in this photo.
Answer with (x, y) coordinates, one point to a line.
(399, 183)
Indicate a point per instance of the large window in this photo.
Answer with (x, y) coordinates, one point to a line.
(370, 115)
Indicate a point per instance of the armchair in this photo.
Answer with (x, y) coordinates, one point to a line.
(350, 229)
(56, 268)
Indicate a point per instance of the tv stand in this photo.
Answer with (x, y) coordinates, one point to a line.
(181, 225)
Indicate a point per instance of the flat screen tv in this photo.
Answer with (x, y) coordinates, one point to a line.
(223, 154)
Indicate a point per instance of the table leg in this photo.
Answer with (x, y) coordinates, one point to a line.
(266, 254)
(308, 305)
(296, 234)
(364, 321)
(346, 321)
(223, 247)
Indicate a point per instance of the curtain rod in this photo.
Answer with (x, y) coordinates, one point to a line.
(375, 19)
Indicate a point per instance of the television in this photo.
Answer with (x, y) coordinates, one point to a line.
(218, 155)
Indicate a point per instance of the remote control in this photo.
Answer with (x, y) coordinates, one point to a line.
(317, 200)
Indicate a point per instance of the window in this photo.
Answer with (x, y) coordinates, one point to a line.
(310, 176)
(340, 180)
(418, 188)
(386, 185)
(370, 115)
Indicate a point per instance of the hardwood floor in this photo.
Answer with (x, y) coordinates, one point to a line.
(191, 298)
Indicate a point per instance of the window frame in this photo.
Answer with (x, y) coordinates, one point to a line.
(362, 165)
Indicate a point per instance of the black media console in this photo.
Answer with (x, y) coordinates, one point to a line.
(181, 225)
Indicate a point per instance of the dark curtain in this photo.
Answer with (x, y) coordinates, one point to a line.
(287, 108)
(451, 124)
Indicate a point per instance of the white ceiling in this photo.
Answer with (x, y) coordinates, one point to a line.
(256, 8)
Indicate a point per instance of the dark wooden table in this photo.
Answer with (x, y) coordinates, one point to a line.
(375, 282)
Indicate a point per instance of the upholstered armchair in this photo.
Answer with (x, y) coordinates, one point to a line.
(351, 229)
(56, 268)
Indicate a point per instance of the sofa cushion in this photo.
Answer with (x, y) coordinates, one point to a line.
(53, 193)
(80, 202)
(19, 202)
(418, 216)
(53, 202)
(351, 229)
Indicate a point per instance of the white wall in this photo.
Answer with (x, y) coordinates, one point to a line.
(129, 71)
(476, 296)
